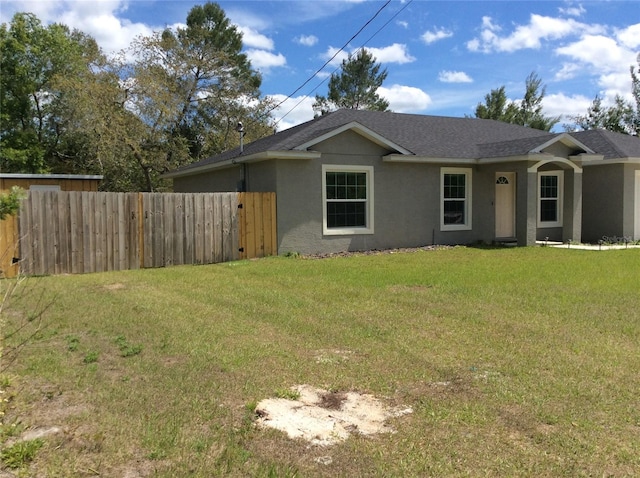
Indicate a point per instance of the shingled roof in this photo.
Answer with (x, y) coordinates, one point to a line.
(428, 136)
(611, 145)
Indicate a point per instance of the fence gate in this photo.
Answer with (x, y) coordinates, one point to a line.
(79, 232)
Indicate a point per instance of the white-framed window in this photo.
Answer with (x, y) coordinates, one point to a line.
(455, 199)
(347, 199)
(550, 192)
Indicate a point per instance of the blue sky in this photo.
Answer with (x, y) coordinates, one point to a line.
(442, 57)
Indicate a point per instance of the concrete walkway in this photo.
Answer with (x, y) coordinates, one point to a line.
(590, 247)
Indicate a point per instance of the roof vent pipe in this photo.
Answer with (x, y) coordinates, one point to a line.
(240, 130)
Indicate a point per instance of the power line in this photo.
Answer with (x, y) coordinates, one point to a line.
(338, 67)
(322, 67)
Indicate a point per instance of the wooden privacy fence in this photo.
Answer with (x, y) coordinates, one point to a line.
(80, 232)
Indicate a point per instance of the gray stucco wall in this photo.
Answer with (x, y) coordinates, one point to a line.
(602, 202)
(222, 180)
(630, 206)
(406, 201)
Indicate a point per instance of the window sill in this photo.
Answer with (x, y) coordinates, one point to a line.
(455, 228)
(354, 231)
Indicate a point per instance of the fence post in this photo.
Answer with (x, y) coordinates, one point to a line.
(141, 228)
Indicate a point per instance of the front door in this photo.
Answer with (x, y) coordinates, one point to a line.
(505, 205)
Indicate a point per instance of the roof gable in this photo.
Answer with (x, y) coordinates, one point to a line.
(359, 129)
(611, 145)
(566, 140)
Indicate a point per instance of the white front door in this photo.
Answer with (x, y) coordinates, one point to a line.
(636, 228)
(505, 205)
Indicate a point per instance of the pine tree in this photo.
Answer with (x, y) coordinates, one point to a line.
(355, 87)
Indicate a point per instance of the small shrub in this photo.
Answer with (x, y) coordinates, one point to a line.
(91, 357)
(287, 393)
(72, 343)
(126, 349)
(10, 202)
(251, 406)
(20, 453)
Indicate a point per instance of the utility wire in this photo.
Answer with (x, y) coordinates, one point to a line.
(321, 68)
(338, 67)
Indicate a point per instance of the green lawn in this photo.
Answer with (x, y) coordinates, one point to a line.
(516, 362)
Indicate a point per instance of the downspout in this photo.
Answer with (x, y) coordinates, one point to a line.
(245, 179)
(243, 182)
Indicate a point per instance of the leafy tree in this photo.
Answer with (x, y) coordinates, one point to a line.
(634, 123)
(10, 203)
(34, 60)
(190, 88)
(622, 116)
(527, 112)
(613, 118)
(355, 87)
(497, 107)
(530, 113)
(100, 129)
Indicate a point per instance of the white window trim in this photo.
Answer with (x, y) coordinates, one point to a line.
(369, 204)
(467, 226)
(560, 175)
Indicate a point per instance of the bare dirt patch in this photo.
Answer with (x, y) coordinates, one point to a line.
(324, 418)
(115, 286)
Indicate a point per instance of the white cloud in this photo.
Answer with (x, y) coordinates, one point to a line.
(45, 11)
(530, 36)
(253, 39)
(402, 99)
(630, 36)
(573, 11)
(340, 55)
(111, 33)
(454, 77)
(487, 24)
(396, 53)
(473, 45)
(306, 40)
(405, 99)
(567, 72)
(297, 110)
(101, 20)
(565, 106)
(402, 24)
(435, 35)
(604, 59)
(262, 59)
(599, 51)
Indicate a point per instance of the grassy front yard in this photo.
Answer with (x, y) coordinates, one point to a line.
(521, 361)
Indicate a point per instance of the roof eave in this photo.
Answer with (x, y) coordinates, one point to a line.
(412, 158)
(250, 158)
(603, 162)
(80, 177)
